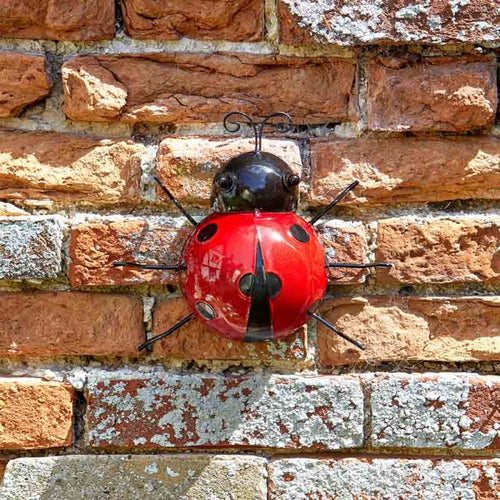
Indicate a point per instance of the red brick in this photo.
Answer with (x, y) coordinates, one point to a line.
(95, 246)
(169, 410)
(344, 242)
(68, 168)
(187, 165)
(196, 341)
(70, 323)
(200, 87)
(440, 250)
(376, 478)
(411, 328)
(410, 170)
(3, 464)
(57, 19)
(446, 94)
(24, 80)
(235, 21)
(35, 414)
(364, 22)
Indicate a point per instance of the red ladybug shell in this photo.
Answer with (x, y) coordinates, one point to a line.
(253, 276)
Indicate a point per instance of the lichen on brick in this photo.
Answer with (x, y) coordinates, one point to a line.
(170, 410)
(353, 478)
(434, 411)
(31, 247)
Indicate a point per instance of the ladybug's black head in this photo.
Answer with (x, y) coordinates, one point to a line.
(256, 180)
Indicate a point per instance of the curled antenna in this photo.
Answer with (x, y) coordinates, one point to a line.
(258, 128)
(234, 126)
(280, 127)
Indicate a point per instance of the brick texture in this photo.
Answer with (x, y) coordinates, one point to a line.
(446, 94)
(70, 323)
(344, 242)
(31, 247)
(68, 168)
(95, 246)
(57, 19)
(304, 22)
(304, 478)
(187, 165)
(441, 250)
(195, 341)
(235, 21)
(450, 169)
(35, 414)
(24, 80)
(127, 477)
(196, 87)
(202, 410)
(435, 411)
(411, 328)
(9, 210)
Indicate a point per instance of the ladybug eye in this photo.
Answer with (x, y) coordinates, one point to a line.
(293, 180)
(299, 233)
(207, 232)
(205, 310)
(246, 283)
(274, 284)
(225, 182)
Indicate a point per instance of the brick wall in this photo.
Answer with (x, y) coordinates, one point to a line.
(97, 97)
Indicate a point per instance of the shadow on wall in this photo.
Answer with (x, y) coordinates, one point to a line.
(120, 477)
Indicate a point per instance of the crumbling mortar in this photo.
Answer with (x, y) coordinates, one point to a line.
(270, 454)
(271, 21)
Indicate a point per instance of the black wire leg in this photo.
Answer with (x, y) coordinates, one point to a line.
(336, 200)
(169, 332)
(166, 267)
(359, 266)
(323, 321)
(176, 202)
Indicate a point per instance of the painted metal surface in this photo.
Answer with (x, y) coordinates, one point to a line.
(258, 273)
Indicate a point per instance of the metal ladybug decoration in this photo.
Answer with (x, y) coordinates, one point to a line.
(253, 270)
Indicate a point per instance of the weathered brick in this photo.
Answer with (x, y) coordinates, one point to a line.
(68, 168)
(24, 80)
(95, 246)
(10, 210)
(57, 19)
(344, 242)
(411, 328)
(35, 414)
(202, 410)
(368, 478)
(70, 323)
(187, 165)
(31, 247)
(127, 477)
(368, 22)
(450, 169)
(236, 21)
(435, 411)
(196, 341)
(439, 250)
(201, 87)
(447, 94)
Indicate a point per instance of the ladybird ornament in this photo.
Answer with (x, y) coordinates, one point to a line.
(253, 270)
